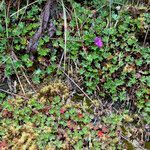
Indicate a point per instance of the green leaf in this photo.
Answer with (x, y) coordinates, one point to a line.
(1, 28)
(43, 51)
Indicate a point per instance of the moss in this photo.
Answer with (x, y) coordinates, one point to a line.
(48, 92)
(21, 137)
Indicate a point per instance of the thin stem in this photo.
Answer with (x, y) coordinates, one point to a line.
(23, 8)
(6, 22)
(65, 31)
(146, 36)
(13, 94)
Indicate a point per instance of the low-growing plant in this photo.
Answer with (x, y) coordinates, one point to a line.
(105, 52)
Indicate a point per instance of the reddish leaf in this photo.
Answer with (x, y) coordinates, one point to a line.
(138, 75)
(100, 134)
(71, 125)
(3, 145)
(62, 110)
(104, 129)
(102, 80)
(80, 115)
(7, 114)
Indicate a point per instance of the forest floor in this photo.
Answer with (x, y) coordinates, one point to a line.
(74, 75)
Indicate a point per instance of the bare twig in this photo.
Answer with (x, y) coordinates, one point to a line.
(13, 94)
(23, 8)
(1, 4)
(6, 23)
(21, 68)
(65, 30)
(78, 29)
(18, 78)
(1, 63)
(28, 80)
(61, 59)
(18, 8)
(146, 36)
(78, 86)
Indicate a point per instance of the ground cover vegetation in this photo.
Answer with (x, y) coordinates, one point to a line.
(74, 74)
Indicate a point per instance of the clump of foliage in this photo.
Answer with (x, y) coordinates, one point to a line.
(54, 89)
(56, 124)
(118, 70)
(53, 124)
(104, 49)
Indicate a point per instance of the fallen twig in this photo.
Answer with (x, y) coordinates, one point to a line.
(28, 80)
(65, 30)
(145, 36)
(23, 8)
(13, 94)
(18, 78)
(78, 86)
